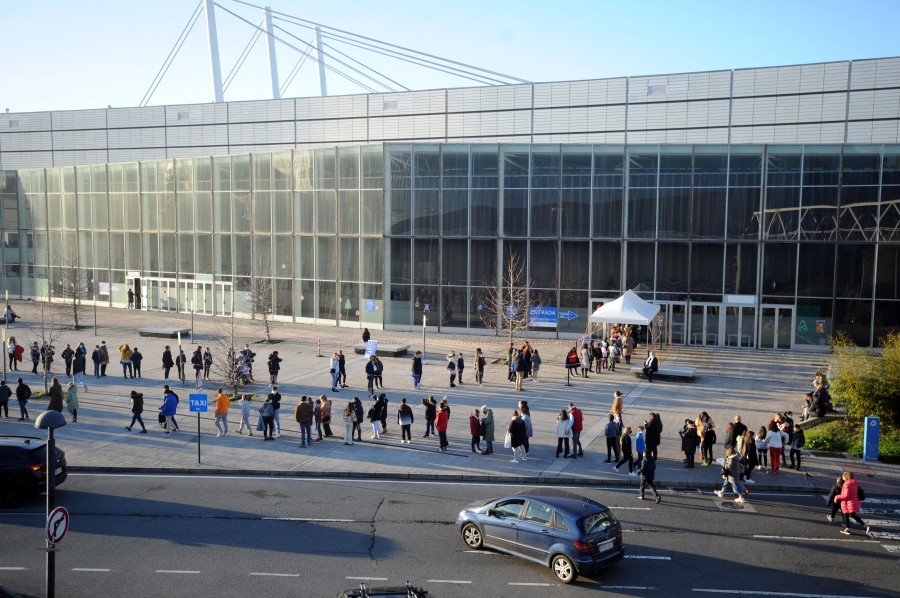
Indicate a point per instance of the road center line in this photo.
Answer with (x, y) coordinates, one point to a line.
(813, 540)
(480, 552)
(652, 558)
(87, 569)
(521, 583)
(175, 571)
(367, 578)
(627, 587)
(309, 519)
(447, 581)
(13, 569)
(759, 593)
(630, 508)
(275, 574)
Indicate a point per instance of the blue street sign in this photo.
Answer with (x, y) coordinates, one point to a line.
(543, 317)
(569, 315)
(198, 403)
(370, 305)
(870, 439)
(371, 347)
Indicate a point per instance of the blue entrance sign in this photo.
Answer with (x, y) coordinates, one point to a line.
(542, 317)
(370, 305)
(198, 403)
(371, 348)
(870, 439)
(569, 315)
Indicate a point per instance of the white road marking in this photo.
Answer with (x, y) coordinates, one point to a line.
(891, 547)
(521, 583)
(89, 570)
(810, 539)
(885, 535)
(480, 552)
(175, 571)
(275, 574)
(627, 587)
(447, 581)
(629, 508)
(654, 558)
(13, 569)
(368, 578)
(871, 511)
(760, 593)
(883, 522)
(878, 501)
(308, 519)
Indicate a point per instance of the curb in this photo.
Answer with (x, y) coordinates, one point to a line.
(7, 593)
(439, 477)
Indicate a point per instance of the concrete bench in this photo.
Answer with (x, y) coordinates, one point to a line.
(164, 332)
(667, 372)
(389, 349)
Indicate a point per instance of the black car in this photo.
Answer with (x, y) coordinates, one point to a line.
(569, 533)
(23, 468)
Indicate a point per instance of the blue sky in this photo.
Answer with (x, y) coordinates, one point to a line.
(92, 53)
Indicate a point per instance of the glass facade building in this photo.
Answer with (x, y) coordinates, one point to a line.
(768, 246)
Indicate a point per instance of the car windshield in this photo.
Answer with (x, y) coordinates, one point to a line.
(598, 522)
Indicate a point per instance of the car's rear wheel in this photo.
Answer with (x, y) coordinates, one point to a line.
(471, 536)
(563, 569)
(12, 494)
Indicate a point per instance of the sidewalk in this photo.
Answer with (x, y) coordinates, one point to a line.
(755, 385)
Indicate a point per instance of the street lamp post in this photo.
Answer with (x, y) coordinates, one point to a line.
(192, 321)
(95, 308)
(50, 420)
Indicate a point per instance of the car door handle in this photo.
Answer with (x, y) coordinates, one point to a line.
(513, 525)
(545, 531)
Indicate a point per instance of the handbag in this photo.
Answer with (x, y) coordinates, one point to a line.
(507, 442)
(332, 370)
(481, 429)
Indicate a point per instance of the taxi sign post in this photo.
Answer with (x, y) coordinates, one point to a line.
(198, 404)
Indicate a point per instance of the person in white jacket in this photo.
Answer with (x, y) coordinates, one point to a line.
(563, 431)
(335, 371)
(775, 440)
(244, 403)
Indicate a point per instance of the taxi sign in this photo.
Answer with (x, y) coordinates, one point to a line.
(198, 402)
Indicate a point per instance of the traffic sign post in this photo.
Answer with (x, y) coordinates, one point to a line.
(870, 438)
(57, 525)
(198, 403)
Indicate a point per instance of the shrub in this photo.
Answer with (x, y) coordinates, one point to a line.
(866, 382)
(846, 436)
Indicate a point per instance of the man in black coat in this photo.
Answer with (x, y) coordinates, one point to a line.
(647, 471)
(737, 430)
(653, 433)
(651, 366)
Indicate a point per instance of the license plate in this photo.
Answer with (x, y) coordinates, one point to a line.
(58, 471)
(606, 545)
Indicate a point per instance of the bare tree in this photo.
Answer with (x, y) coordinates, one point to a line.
(47, 331)
(506, 306)
(226, 346)
(71, 281)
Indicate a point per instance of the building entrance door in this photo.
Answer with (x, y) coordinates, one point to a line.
(776, 327)
(740, 326)
(705, 324)
(672, 330)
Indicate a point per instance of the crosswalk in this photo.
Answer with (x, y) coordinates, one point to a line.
(882, 515)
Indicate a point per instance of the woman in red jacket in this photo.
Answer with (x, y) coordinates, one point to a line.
(850, 504)
(440, 423)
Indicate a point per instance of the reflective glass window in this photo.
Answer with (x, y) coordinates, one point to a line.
(887, 281)
(642, 168)
(305, 211)
(781, 214)
(642, 213)
(372, 167)
(427, 167)
(818, 214)
(855, 319)
(401, 261)
(484, 212)
(455, 205)
(609, 166)
(607, 213)
(822, 165)
(372, 212)
(348, 212)
(640, 266)
(779, 268)
(485, 166)
(861, 165)
(576, 166)
(745, 166)
(743, 213)
(574, 265)
(858, 213)
(545, 166)
(784, 166)
(515, 167)
(324, 168)
(372, 251)
(542, 263)
(484, 262)
(740, 268)
(325, 258)
(455, 262)
(348, 167)
(606, 266)
(710, 166)
(544, 212)
(401, 168)
(815, 270)
(676, 167)
(240, 204)
(426, 212)
(708, 213)
(455, 167)
(401, 222)
(515, 212)
(426, 261)
(576, 212)
(675, 213)
(348, 258)
(706, 268)
(672, 273)
(855, 270)
(325, 212)
(890, 165)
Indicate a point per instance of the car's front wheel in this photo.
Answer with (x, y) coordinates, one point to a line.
(563, 569)
(471, 536)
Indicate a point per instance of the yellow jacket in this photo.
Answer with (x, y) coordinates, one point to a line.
(126, 352)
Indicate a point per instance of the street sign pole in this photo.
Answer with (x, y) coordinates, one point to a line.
(198, 404)
(424, 319)
(51, 500)
(198, 438)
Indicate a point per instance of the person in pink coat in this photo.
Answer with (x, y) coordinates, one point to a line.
(850, 504)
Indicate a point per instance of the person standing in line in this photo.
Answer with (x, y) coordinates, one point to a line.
(775, 441)
(130, 300)
(357, 424)
(475, 431)
(479, 366)
(511, 364)
(335, 371)
(349, 417)
(430, 414)
(244, 403)
(525, 414)
(616, 408)
(326, 415)
(596, 356)
(630, 346)
(180, 362)
(125, 353)
(626, 452)
(647, 470)
(487, 420)
(342, 370)
(303, 413)
(460, 366)
(797, 442)
(104, 358)
(365, 335)
(706, 431)
(731, 474)
(737, 431)
(268, 416)
(23, 393)
(72, 401)
(653, 433)
(379, 370)
(577, 423)
(610, 431)
(374, 417)
(526, 355)
(317, 417)
(5, 394)
(451, 368)
(136, 359)
(405, 419)
(274, 363)
(67, 355)
(207, 363)
(275, 398)
(382, 398)
(562, 433)
(95, 357)
(535, 365)
(417, 372)
(169, 408)
(167, 362)
(56, 396)
(520, 370)
(137, 408)
(750, 456)
(639, 446)
(443, 418)
(689, 441)
(197, 363)
(370, 376)
(36, 358)
(11, 347)
(762, 449)
(79, 362)
(516, 431)
(221, 413)
(585, 360)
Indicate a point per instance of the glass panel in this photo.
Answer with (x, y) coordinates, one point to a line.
(203, 212)
(426, 261)
(240, 173)
(574, 265)
(696, 333)
(783, 164)
(779, 268)
(241, 212)
(855, 266)
(606, 266)
(426, 214)
(745, 166)
(326, 300)
(262, 256)
(732, 327)
(515, 212)
(576, 166)
(515, 166)
(887, 284)
(782, 206)
(785, 328)
(185, 211)
(576, 213)
(484, 212)
(372, 260)
(484, 167)
(400, 212)
(455, 262)
(305, 299)
(819, 213)
(222, 211)
(348, 258)
(325, 258)
(607, 213)
(708, 213)
(484, 262)
(855, 319)
(887, 314)
(426, 167)
(100, 211)
(325, 212)
(889, 223)
(455, 167)
(455, 205)
(815, 272)
(202, 174)
(642, 167)
(821, 165)
(544, 213)
(241, 262)
(890, 166)
(858, 213)
(324, 168)
(454, 309)
(542, 263)
(401, 261)
(743, 213)
(204, 255)
(767, 328)
(372, 167)
(609, 166)
(640, 266)
(642, 213)
(308, 252)
(710, 166)
(679, 318)
(675, 213)
(284, 290)
(116, 211)
(348, 167)
(814, 325)
(372, 212)
(545, 167)
(305, 210)
(706, 268)
(348, 302)
(860, 165)
(262, 211)
(185, 253)
(675, 169)
(401, 169)
(348, 212)
(673, 268)
(221, 174)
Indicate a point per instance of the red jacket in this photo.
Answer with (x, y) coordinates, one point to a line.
(849, 497)
(474, 424)
(440, 423)
(575, 414)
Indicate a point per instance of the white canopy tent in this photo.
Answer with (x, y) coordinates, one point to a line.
(627, 309)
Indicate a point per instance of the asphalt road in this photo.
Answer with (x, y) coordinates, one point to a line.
(239, 536)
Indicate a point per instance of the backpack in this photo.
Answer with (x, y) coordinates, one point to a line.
(860, 494)
(710, 437)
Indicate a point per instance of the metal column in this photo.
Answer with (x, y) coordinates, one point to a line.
(273, 64)
(214, 51)
(320, 58)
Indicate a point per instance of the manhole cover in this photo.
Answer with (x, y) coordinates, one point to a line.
(730, 505)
